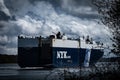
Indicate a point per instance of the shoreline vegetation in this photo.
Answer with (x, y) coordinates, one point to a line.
(109, 75)
(8, 58)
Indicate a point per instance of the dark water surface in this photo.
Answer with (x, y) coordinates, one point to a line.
(14, 72)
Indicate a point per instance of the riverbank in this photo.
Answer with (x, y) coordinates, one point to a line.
(8, 58)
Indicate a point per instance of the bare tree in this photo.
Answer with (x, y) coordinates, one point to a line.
(109, 11)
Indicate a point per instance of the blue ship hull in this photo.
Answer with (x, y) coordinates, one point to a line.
(37, 52)
(77, 57)
(35, 57)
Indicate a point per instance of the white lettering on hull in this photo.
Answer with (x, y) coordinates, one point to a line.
(62, 54)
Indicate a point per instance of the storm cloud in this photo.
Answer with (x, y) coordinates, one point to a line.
(42, 17)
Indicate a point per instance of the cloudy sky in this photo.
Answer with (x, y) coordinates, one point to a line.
(42, 17)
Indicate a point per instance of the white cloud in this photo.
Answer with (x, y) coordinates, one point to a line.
(9, 51)
(52, 21)
(29, 25)
(44, 20)
(70, 6)
(3, 39)
(3, 8)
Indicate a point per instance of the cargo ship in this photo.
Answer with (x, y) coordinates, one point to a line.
(56, 52)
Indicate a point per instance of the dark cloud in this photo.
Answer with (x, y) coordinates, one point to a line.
(3, 16)
(77, 8)
(4, 12)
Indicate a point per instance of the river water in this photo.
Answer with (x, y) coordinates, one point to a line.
(14, 72)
